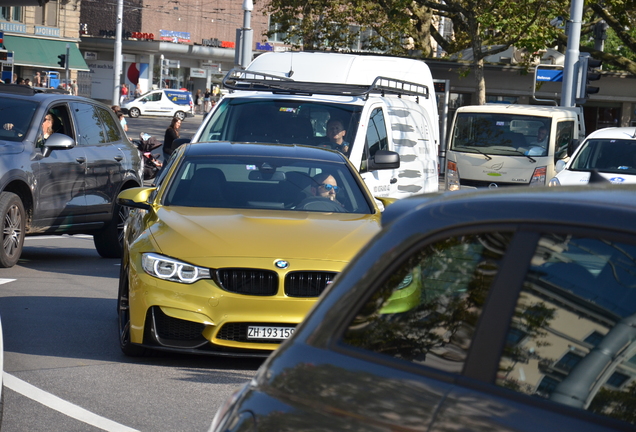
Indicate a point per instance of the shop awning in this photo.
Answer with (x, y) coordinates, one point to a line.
(42, 53)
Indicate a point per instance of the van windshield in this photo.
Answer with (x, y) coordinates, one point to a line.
(501, 134)
(279, 121)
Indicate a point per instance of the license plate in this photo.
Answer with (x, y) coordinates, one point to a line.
(267, 332)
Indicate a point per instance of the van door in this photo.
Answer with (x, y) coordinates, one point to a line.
(154, 103)
(382, 183)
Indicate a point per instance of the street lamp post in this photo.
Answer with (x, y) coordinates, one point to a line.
(570, 67)
(244, 37)
(117, 59)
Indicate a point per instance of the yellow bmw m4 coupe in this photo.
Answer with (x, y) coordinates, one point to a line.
(235, 243)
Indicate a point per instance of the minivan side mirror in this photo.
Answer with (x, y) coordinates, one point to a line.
(384, 159)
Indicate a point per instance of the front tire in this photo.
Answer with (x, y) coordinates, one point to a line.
(123, 312)
(110, 239)
(134, 112)
(13, 228)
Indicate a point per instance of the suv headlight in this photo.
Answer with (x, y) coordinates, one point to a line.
(171, 269)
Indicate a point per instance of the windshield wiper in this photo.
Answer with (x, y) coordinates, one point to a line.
(488, 157)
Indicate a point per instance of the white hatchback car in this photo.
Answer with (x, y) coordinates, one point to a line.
(162, 102)
(611, 152)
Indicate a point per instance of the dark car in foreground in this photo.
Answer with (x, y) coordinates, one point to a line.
(525, 320)
(65, 183)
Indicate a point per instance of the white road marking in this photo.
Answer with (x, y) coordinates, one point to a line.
(60, 405)
(4, 281)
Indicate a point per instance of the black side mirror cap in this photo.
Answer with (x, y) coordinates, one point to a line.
(384, 159)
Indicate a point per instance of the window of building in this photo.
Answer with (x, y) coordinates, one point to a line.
(594, 338)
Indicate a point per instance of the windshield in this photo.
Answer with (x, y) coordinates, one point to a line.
(501, 134)
(278, 121)
(607, 155)
(266, 183)
(15, 118)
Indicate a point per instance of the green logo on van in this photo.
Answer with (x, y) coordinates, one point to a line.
(494, 174)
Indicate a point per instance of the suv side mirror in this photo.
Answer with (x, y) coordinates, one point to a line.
(57, 141)
(384, 159)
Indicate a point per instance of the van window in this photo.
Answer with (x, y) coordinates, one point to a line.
(278, 121)
(565, 132)
(377, 138)
(152, 97)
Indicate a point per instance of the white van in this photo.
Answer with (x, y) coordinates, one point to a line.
(610, 151)
(497, 145)
(385, 104)
(162, 102)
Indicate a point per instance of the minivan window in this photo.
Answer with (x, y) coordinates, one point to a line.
(278, 121)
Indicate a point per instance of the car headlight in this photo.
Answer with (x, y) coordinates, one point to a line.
(171, 269)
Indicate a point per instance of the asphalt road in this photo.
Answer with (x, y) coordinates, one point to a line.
(64, 370)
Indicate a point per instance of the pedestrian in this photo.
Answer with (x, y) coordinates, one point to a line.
(37, 80)
(124, 94)
(216, 93)
(122, 121)
(198, 102)
(206, 100)
(172, 133)
(115, 108)
(137, 90)
(74, 87)
(27, 82)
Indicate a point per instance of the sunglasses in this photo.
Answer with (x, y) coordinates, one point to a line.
(328, 187)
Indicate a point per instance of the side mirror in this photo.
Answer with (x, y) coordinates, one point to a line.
(135, 197)
(384, 159)
(559, 165)
(57, 141)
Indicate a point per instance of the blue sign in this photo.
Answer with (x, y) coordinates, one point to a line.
(552, 75)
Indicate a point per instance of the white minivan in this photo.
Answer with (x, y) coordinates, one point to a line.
(382, 106)
(162, 102)
(610, 151)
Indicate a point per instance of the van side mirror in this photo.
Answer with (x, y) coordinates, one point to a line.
(559, 165)
(384, 159)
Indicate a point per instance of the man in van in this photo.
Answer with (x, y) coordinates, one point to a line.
(539, 146)
(336, 133)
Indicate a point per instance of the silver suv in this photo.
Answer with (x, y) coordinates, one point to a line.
(65, 182)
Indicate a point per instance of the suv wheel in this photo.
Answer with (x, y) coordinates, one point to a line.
(134, 112)
(109, 240)
(13, 228)
(180, 115)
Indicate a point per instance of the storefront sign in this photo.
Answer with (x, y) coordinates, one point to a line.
(90, 55)
(47, 31)
(143, 36)
(13, 27)
(174, 36)
(128, 58)
(198, 73)
(215, 43)
(264, 46)
(112, 33)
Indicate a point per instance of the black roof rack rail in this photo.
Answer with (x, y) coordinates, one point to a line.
(21, 89)
(239, 79)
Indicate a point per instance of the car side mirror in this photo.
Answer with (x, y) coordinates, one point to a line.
(57, 141)
(135, 197)
(559, 165)
(384, 159)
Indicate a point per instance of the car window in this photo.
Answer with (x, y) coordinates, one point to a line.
(110, 126)
(89, 124)
(565, 133)
(16, 118)
(572, 339)
(255, 182)
(426, 311)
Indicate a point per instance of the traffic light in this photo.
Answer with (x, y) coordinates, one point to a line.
(164, 67)
(587, 72)
(62, 60)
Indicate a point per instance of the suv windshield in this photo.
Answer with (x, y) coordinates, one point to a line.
(607, 155)
(16, 115)
(501, 134)
(278, 121)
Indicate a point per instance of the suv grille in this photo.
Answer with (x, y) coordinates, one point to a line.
(307, 284)
(248, 281)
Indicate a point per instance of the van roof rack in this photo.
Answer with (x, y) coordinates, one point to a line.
(240, 79)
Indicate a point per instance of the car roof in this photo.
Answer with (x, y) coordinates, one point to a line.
(260, 149)
(28, 93)
(614, 132)
(607, 206)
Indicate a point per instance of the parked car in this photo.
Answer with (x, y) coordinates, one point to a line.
(235, 244)
(66, 183)
(524, 321)
(610, 151)
(162, 102)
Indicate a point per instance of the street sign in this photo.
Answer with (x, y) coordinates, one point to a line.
(550, 75)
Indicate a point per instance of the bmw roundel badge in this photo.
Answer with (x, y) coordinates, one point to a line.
(281, 264)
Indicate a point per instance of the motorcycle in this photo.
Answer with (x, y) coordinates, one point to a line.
(146, 144)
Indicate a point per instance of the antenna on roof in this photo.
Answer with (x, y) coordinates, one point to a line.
(291, 65)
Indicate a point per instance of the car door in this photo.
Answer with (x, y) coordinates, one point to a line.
(98, 135)
(381, 183)
(60, 185)
(557, 342)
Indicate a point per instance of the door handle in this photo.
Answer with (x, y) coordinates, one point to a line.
(80, 160)
(393, 180)
(119, 158)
